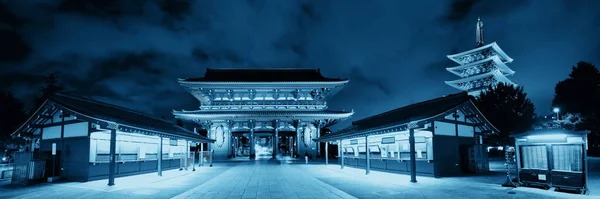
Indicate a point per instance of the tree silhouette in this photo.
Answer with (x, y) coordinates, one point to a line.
(12, 116)
(508, 109)
(50, 88)
(579, 94)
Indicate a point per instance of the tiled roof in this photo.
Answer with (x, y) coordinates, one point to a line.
(202, 114)
(404, 115)
(121, 115)
(262, 75)
(414, 112)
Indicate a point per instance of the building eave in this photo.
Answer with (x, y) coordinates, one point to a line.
(496, 74)
(501, 66)
(207, 84)
(223, 115)
(492, 45)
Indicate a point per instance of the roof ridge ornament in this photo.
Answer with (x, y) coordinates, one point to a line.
(479, 32)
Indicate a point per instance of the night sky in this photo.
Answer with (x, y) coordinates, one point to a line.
(130, 53)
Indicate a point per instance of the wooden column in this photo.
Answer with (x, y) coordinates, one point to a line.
(187, 155)
(276, 143)
(201, 154)
(275, 138)
(318, 134)
(252, 154)
(326, 152)
(160, 156)
(368, 150)
(342, 147)
(413, 163)
(112, 164)
(299, 138)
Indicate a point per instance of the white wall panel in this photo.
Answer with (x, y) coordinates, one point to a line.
(443, 128)
(51, 132)
(76, 130)
(465, 131)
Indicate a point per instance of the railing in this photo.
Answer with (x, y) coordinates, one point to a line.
(264, 104)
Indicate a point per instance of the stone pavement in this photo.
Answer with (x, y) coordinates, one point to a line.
(282, 179)
(264, 180)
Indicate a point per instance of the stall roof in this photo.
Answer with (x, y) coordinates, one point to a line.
(120, 115)
(422, 111)
(549, 132)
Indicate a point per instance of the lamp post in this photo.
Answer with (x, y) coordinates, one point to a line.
(556, 110)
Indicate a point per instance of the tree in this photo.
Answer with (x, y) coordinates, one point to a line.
(13, 115)
(579, 94)
(508, 109)
(51, 87)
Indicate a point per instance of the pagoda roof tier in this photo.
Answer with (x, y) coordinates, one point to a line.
(458, 58)
(261, 115)
(496, 75)
(262, 76)
(472, 68)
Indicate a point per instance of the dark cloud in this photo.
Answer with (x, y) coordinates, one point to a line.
(459, 9)
(12, 48)
(130, 53)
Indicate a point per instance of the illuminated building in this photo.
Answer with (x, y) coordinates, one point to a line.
(95, 140)
(442, 137)
(480, 67)
(245, 109)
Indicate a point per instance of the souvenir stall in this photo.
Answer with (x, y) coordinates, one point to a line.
(553, 158)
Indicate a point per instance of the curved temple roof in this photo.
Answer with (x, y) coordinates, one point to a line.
(496, 74)
(275, 75)
(503, 56)
(228, 115)
(501, 66)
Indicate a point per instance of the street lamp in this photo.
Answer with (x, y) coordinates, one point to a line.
(556, 110)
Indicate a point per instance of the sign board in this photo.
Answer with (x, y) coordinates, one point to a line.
(172, 142)
(388, 140)
(53, 148)
(355, 141)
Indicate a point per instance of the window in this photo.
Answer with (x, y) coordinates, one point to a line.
(534, 157)
(567, 158)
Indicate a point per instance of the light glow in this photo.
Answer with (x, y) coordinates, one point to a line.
(547, 137)
(556, 110)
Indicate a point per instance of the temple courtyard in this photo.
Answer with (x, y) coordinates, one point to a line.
(290, 179)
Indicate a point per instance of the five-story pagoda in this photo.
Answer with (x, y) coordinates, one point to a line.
(480, 67)
(263, 112)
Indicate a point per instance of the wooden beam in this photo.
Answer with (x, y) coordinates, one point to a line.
(55, 124)
(471, 116)
(460, 122)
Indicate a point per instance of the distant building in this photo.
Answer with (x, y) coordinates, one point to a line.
(263, 112)
(95, 140)
(480, 67)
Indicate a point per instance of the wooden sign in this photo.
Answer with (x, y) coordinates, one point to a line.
(388, 140)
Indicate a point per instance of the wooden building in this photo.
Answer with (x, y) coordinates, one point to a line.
(96, 140)
(438, 137)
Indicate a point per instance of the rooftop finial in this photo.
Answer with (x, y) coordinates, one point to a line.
(479, 32)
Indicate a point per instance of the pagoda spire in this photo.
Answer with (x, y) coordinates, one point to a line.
(479, 32)
(479, 68)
